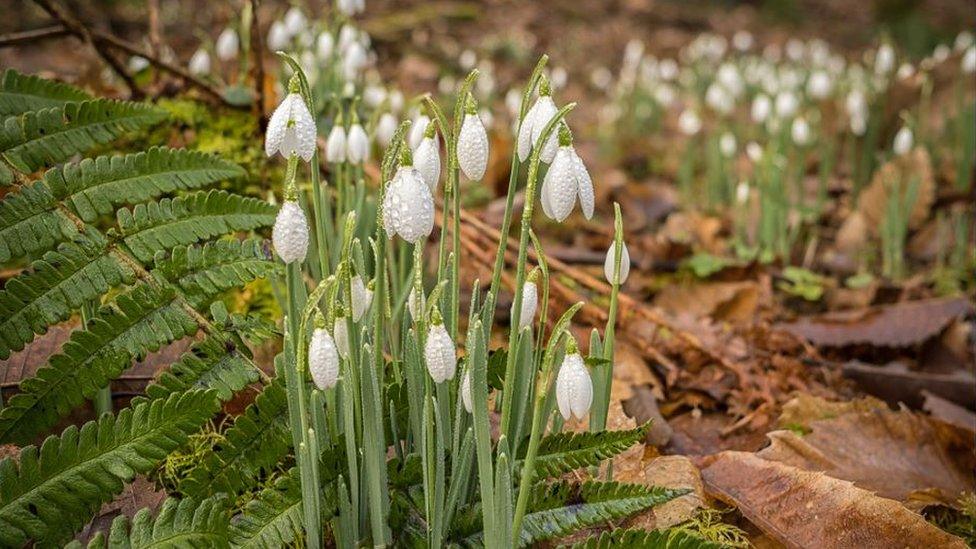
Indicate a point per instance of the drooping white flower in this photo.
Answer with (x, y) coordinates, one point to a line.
(728, 76)
(335, 144)
(535, 121)
(904, 141)
(800, 131)
(466, 392)
(416, 303)
(354, 60)
(905, 71)
(819, 85)
(385, 128)
(323, 359)
(357, 144)
(742, 192)
(362, 298)
(440, 354)
(742, 40)
(968, 63)
(278, 37)
(472, 147)
(786, 104)
(341, 333)
(719, 99)
(859, 124)
(574, 388)
(884, 60)
(200, 62)
(963, 40)
(324, 45)
(417, 130)
(294, 21)
(408, 208)
(754, 152)
(138, 63)
(530, 301)
(566, 180)
(727, 144)
(689, 123)
(227, 44)
(427, 159)
(761, 107)
(347, 35)
(290, 232)
(608, 263)
(291, 129)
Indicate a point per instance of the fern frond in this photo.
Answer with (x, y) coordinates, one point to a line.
(48, 493)
(563, 452)
(142, 319)
(180, 523)
(55, 286)
(46, 137)
(20, 93)
(209, 364)
(656, 539)
(149, 228)
(255, 443)
(95, 186)
(30, 222)
(204, 271)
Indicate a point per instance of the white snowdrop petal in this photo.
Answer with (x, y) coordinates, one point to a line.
(385, 129)
(530, 301)
(466, 392)
(608, 264)
(904, 140)
(427, 159)
(290, 233)
(362, 298)
(416, 303)
(544, 199)
(409, 206)
(304, 128)
(585, 186)
(562, 186)
(277, 125)
(524, 140)
(545, 111)
(227, 45)
(200, 62)
(357, 144)
(335, 145)
(574, 388)
(341, 333)
(323, 359)
(472, 148)
(440, 354)
(417, 130)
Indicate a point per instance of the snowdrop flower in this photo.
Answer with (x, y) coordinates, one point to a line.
(408, 207)
(417, 130)
(754, 152)
(466, 392)
(530, 301)
(558, 78)
(341, 333)
(859, 124)
(291, 129)
(800, 131)
(427, 158)
(227, 44)
(324, 45)
(335, 144)
(856, 103)
(278, 37)
(536, 120)
(347, 35)
(439, 352)
(742, 192)
(904, 141)
(323, 357)
(574, 388)
(608, 263)
(719, 99)
(357, 143)
(742, 40)
(566, 180)
(385, 128)
(795, 49)
(138, 63)
(819, 85)
(727, 144)
(689, 123)
(905, 71)
(472, 144)
(963, 40)
(354, 60)
(761, 107)
(362, 297)
(416, 303)
(290, 233)
(728, 76)
(200, 62)
(884, 60)
(294, 21)
(351, 7)
(667, 69)
(373, 96)
(941, 53)
(786, 104)
(664, 94)
(467, 60)
(968, 62)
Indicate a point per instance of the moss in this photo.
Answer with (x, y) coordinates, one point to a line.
(707, 524)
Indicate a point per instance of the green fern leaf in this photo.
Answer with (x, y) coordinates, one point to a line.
(561, 453)
(95, 186)
(202, 272)
(180, 523)
(149, 228)
(49, 136)
(20, 93)
(30, 222)
(141, 319)
(55, 286)
(209, 364)
(255, 443)
(48, 493)
(657, 539)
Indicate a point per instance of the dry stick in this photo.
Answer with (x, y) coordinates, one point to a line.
(76, 28)
(26, 37)
(257, 64)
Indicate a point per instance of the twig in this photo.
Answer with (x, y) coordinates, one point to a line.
(79, 30)
(26, 37)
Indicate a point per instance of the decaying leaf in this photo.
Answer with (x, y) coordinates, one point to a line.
(731, 301)
(670, 472)
(642, 406)
(899, 325)
(897, 175)
(948, 411)
(894, 454)
(897, 383)
(806, 509)
(805, 408)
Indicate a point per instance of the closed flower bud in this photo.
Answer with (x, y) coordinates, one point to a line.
(362, 298)
(417, 130)
(291, 129)
(323, 359)
(727, 144)
(754, 152)
(567, 180)
(535, 121)
(335, 145)
(294, 21)
(416, 303)
(440, 354)
(385, 129)
(324, 46)
(290, 233)
(904, 141)
(574, 388)
(427, 159)
(341, 333)
(466, 392)
(530, 301)
(227, 44)
(689, 123)
(357, 144)
(278, 37)
(200, 62)
(786, 104)
(968, 62)
(819, 85)
(608, 264)
(761, 107)
(884, 61)
(800, 131)
(408, 208)
(472, 147)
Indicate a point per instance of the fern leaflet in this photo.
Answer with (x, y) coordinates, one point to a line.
(20, 93)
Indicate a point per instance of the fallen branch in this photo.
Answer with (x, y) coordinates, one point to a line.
(26, 37)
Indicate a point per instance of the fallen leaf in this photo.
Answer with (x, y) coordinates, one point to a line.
(948, 411)
(671, 472)
(896, 383)
(697, 434)
(730, 301)
(896, 175)
(805, 408)
(141, 493)
(642, 406)
(805, 509)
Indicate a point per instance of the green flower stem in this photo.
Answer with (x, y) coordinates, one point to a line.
(478, 363)
(603, 374)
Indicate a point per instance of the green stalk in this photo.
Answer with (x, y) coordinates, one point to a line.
(603, 374)
(478, 361)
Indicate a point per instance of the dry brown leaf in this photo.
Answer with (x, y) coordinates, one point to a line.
(805, 408)
(804, 509)
(948, 411)
(731, 301)
(670, 472)
(642, 406)
(899, 325)
(893, 454)
(853, 234)
(897, 174)
(896, 382)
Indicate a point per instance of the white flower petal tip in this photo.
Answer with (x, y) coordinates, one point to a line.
(566, 181)
(427, 159)
(472, 148)
(341, 333)
(227, 45)
(357, 145)
(530, 301)
(323, 360)
(440, 354)
(466, 398)
(408, 208)
(904, 141)
(290, 233)
(534, 122)
(416, 303)
(362, 298)
(585, 185)
(574, 388)
(608, 264)
(335, 145)
(291, 129)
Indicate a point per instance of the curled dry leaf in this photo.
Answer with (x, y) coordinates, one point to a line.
(730, 301)
(948, 411)
(897, 175)
(669, 472)
(805, 509)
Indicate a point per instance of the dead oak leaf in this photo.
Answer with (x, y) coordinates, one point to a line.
(803, 509)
